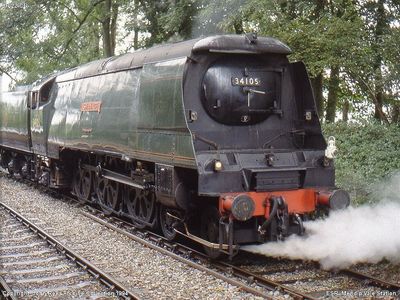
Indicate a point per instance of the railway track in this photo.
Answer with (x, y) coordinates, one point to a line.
(288, 280)
(260, 287)
(34, 265)
(262, 277)
(309, 278)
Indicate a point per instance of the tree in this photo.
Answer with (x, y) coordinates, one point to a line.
(333, 89)
(165, 20)
(221, 16)
(324, 34)
(375, 72)
(44, 36)
(47, 35)
(107, 15)
(350, 47)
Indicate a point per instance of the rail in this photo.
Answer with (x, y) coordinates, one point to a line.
(120, 290)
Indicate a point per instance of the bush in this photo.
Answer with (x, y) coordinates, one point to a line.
(367, 154)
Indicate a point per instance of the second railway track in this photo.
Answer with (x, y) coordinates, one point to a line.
(34, 265)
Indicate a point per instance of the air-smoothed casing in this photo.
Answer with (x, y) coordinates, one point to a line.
(234, 99)
(269, 141)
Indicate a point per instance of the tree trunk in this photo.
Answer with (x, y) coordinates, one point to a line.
(106, 28)
(292, 9)
(396, 113)
(319, 8)
(238, 25)
(96, 33)
(378, 114)
(332, 95)
(113, 26)
(379, 31)
(109, 26)
(136, 38)
(345, 111)
(153, 28)
(317, 84)
(136, 26)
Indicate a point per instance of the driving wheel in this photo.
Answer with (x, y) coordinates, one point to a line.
(108, 194)
(141, 206)
(83, 184)
(167, 222)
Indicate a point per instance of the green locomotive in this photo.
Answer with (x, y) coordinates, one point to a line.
(216, 139)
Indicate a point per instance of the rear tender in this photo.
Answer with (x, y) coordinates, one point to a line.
(14, 120)
(14, 131)
(258, 143)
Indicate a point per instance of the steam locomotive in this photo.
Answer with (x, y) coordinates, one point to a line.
(216, 139)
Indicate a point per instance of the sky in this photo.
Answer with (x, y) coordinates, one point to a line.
(5, 81)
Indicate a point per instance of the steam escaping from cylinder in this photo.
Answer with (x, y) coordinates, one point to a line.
(368, 233)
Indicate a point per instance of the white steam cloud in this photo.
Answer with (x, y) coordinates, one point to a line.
(362, 234)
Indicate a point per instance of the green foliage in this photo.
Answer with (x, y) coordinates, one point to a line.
(367, 154)
(178, 19)
(219, 17)
(319, 34)
(44, 36)
(164, 20)
(358, 38)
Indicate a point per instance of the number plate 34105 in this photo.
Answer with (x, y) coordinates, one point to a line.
(246, 81)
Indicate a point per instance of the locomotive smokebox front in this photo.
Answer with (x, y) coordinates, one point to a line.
(236, 91)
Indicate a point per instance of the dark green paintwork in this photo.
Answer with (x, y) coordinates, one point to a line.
(141, 114)
(14, 120)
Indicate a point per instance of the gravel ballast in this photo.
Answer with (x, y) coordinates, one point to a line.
(153, 275)
(146, 272)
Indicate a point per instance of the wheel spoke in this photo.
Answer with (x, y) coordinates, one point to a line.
(143, 211)
(167, 222)
(83, 184)
(140, 205)
(107, 194)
